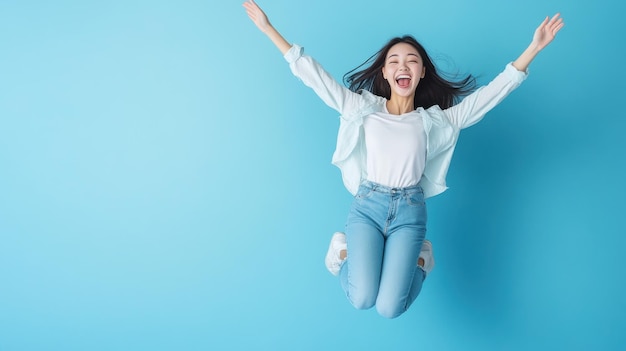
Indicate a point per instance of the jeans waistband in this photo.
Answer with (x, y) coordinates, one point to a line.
(389, 190)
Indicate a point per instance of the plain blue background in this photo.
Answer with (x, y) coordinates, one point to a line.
(165, 182)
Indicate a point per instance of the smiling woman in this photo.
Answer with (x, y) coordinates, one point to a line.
(400, 121)
(433, 90)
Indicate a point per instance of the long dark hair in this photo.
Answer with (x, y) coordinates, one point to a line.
(433, 89)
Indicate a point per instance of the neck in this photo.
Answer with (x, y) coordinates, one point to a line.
(400, 105)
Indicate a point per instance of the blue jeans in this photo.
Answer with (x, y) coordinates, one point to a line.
(385, 231)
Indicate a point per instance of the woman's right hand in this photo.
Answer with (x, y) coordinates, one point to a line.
(260, 19)
(257, 15)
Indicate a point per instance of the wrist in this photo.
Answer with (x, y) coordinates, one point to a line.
(534, 47)
(268, 29)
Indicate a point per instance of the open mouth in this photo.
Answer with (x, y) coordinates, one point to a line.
(403, 81)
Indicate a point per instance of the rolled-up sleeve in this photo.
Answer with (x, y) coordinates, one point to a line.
(474, 107)
(293, 53)
(313, 75)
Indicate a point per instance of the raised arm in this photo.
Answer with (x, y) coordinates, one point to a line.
(260, 20)
(349, 104)
(476, 105)
(544, 34)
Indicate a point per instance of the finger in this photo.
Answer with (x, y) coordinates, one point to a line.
(250, 5)
(558, 28)
(557, 24)
(252, 13)
(554, 19)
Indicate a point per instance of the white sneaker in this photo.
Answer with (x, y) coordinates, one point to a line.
(427, 255)
(333, 260)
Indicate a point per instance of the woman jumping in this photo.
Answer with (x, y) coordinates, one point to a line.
(400, 121)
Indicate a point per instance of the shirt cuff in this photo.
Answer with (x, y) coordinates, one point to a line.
(293, 53)
(515, 73)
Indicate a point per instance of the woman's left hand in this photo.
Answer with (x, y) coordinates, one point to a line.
(545, 33)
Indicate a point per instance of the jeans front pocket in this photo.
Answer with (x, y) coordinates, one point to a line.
(415, 197)
(363, 193)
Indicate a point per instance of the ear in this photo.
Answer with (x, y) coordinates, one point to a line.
(423, 72)
(382, 69)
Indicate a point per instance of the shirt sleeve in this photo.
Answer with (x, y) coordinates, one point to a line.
(474, 106)
(313, 75)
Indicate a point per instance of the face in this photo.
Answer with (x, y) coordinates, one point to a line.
(403, 69)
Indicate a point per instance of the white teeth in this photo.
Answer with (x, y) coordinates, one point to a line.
(403, 76)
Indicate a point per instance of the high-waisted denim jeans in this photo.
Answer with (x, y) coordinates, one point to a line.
(385, 231)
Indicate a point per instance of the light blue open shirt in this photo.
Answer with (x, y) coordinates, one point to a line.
(442, 127)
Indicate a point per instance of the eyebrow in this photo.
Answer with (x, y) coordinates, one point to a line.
(392, 55)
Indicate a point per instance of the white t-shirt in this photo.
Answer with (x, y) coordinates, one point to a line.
(396, 148)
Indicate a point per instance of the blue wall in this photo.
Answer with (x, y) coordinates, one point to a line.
(165, 182)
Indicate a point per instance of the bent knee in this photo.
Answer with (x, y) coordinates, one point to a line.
(390, 310)
(362, 302)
